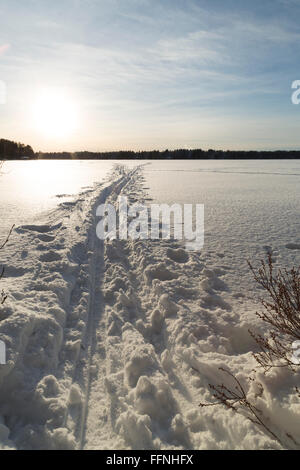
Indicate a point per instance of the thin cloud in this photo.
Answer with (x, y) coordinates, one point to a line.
(4, 48)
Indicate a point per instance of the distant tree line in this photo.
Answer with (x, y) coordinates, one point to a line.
(180, 154)
(14, 151)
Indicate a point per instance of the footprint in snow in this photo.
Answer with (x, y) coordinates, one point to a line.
(50, 257)
(293, 246)
(45, 238)
(38, 228)
(179, 255)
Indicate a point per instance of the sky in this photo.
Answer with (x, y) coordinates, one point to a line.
(149, 74)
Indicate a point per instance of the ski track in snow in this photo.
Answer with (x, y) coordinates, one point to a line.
(112, 345)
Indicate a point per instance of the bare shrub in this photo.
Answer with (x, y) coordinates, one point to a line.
(281, 312)
(236, 399)
(3, 296)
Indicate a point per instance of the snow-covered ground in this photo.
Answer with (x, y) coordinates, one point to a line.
(30, 188)
(112, 345)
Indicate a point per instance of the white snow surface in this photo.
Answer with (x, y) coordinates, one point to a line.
(113, 345)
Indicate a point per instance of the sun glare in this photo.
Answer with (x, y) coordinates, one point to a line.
(55, 113)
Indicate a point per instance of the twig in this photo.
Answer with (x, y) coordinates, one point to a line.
(7, 238)
(235, 398)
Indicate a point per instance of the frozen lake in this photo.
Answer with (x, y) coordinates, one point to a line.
(29, 188)
(249, 205)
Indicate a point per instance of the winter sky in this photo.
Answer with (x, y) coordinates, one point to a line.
(145, 74)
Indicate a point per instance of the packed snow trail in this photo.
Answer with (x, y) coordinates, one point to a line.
(112, 345)
(47, 323)
(77, 411)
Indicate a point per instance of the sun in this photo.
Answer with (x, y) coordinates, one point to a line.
(55, 113)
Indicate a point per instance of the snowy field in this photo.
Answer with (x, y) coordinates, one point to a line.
(113, 345)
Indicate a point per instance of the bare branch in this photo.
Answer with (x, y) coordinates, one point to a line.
(281, 312)
(235, 399)
(7, 238)
(3, 295)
